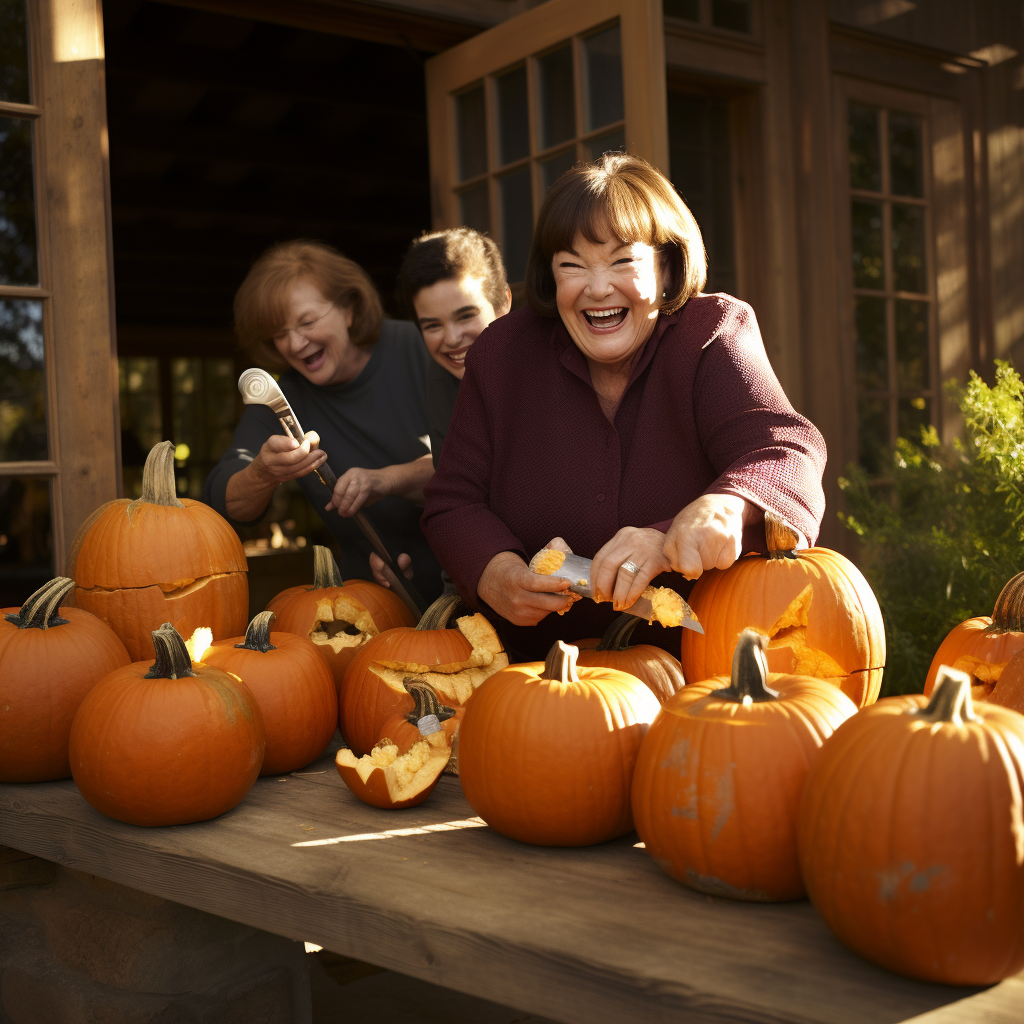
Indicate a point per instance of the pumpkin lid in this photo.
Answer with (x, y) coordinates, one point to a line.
(41, 610)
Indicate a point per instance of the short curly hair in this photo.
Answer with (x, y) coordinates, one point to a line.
(261, 301)
(625, 195)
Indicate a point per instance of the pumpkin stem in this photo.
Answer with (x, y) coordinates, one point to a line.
(951, 699)
(561, 663)
(172, 660)
(158, 487)
(427, 702)
(749, 683)
(780, 536)
(1008, 613)
(438, 614)
(257, 636)
(325, 569)
(617, 635)
(40, 610)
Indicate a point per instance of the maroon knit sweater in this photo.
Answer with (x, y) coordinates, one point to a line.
(529, 454)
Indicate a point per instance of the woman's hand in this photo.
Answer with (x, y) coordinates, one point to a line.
(609, 580)
(708, 534)
(403, 561)
(282, 458)
(521, 596)
(359, 487)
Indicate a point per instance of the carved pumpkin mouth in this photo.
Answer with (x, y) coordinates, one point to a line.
(341, 623)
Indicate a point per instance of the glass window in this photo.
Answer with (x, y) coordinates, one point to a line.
(552, 169)
(908, 248)
(912, 414)
(18, 261)
(872, 347)
(472, 128)
(557, 97)
(905, 155)
(613, 142)
(22, 381)
(688, 9)
(868, 266)
(516, 221)
(603, 53)
(475, 207)
(26, 537)
(912, 355)
(873, 433)
(14, 71)
(865, 158)
(513, 116)
(731, 14)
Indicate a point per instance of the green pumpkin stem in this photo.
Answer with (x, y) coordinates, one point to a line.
(561, 663)
(618, 634)
(426, 700)
(172, 660)
(1008, 613)
(158, 486)
(40, 610)
(951, 699)
(779, 535)
(749, 681)
(437, 615)
(325, 569)
(257, 636)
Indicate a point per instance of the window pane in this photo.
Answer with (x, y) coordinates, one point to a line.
(18, 263)
(872, 357)
(14, 76)
(688, 9)
(557, 98)
(908, 248)
(732, 14)
(475, 208)
(873, 433)
(516, 222)
(912, 365)
(26, 538)
(613, 142)
(865, 158)
(22, 381)
(553, 169)
(905, 158)
(513, 116)
(867, 244)
(472, 119)
(140, 417)
(605, 104)
(913, 414)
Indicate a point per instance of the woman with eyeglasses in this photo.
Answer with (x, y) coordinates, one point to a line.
(356, 382)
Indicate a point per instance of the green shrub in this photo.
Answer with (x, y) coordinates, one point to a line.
(943, 530)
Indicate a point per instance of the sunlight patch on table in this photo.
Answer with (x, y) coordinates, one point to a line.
(422, 830)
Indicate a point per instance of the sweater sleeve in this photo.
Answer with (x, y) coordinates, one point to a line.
(760, 447)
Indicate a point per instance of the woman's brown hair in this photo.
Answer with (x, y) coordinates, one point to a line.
(261, 303)
(625, 195)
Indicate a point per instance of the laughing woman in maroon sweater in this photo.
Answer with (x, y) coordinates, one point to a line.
(623, 413)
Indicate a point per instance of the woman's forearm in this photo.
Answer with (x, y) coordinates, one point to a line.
(407, 479)
(248, 493)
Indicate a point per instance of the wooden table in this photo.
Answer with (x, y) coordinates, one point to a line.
(587, 936)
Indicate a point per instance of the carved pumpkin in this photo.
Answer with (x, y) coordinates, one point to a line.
(167, 742)
(140, 563)
(651, 665)
(293, 686)
(546, 750)
(912, 836)
(717, 784)
(819, 614)
(50, 658)
(338, 617)
(982, 646)
(452, 662)
(1009, 690)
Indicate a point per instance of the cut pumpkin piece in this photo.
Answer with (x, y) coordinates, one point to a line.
(390, 779)
(547, 561)
(668, 607)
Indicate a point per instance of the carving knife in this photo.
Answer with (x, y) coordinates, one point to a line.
(576, 570)
(258, 387)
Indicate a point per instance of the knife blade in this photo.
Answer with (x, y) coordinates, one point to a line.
(576, 569)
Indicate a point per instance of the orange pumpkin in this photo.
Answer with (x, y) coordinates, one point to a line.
(452, 662)
(389, 779)
(50, 658)
(819, 614)
(140, 563)
(651, 665)
(293, 686)
(546, 750)
(1009, 690)
(982, 646)
(911, 833)
(166, 742)
(717, 784)
(338, 617)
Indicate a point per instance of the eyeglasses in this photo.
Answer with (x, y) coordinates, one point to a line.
(301, 328)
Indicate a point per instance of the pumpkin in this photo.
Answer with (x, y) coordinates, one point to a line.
(293, 686)
(1009, 690)
(338, 617)
(819, 613)
(403, 727)
(717, 784)
(140, 563)
(651, 665)
(50, 658)
(547, 749)
(166, 742)
(982, 646)
(912, 837)
(452, 662)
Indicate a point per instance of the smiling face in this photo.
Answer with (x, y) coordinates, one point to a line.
(608, 294)
(451, 313)
(316, 341)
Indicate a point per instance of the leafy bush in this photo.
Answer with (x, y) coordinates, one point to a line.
(943, 530)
